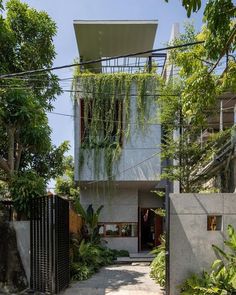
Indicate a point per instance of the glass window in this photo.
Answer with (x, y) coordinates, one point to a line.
(112, 230)
(121, 229)
(214, 222)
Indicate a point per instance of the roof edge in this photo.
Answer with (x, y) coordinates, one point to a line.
(135, 22)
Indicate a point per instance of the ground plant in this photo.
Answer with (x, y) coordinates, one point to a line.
(158, 263)
(89, 253)
(87, 258)
(221, 278)
(90, 222)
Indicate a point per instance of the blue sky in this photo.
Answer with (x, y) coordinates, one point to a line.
(64, 12)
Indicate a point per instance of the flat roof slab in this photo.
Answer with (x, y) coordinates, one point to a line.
(96, 39)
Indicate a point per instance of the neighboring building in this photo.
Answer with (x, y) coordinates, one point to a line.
(127, 220)
(221, 169)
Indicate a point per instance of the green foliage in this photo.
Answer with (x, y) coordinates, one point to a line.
(80, 272)
(26, 38)
(90, 218)
(158, 263)
(106, 105)
(186, 105)
(87, 258)
(191, 5)
(23, 188)
(219, 16)
(221, 279)
(65, 184)
(159, 211)
(120, 253)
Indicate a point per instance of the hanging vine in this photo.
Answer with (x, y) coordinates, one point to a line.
(105, 103)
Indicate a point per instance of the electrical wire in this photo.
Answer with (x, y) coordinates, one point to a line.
(125, 170)
(99, 60)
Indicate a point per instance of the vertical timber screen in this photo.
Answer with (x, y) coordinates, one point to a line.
(49, 225)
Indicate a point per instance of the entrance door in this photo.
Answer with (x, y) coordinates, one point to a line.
(150, 229)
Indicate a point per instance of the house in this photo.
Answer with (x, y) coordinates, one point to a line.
(117, 131)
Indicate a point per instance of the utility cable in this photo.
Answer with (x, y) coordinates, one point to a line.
(99, 60)
(125, 170)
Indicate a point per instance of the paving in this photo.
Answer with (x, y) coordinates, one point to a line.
(118, 279)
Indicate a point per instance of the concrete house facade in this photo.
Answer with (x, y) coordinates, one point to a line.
(127, 220)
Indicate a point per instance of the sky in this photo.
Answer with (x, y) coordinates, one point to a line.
(64, 12)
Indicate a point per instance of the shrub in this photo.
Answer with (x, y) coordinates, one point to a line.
(87, 258)
(221, 279)
(80, 272)
(158, 263)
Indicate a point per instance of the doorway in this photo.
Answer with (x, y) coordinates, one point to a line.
(150, 229)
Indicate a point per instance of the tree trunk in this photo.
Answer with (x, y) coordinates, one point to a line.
(11, 147)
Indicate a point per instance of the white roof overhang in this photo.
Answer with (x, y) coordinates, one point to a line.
(96, 39)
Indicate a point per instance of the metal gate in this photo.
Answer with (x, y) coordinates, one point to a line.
(49, 226)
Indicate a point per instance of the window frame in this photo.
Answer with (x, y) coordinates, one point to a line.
(119, 224)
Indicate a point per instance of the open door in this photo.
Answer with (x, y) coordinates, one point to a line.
(150, 229)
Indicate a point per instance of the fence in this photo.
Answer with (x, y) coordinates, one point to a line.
(49, 244)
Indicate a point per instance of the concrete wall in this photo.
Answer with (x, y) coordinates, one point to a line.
(22, 229)
(141, 145)
(120, 205)
(190, 242)
(149, 200)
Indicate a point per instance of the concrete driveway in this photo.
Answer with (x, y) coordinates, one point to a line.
(117, 279)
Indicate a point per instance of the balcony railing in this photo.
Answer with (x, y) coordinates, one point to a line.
(154, 63)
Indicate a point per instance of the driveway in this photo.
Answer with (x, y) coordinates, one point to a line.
(117, 279)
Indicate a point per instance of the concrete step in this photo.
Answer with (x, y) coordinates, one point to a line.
(133, 259)
(141, 255)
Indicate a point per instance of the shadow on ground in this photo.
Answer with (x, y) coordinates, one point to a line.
(117, 279)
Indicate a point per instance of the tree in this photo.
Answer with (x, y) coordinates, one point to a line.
(65, 184)
(193, 100)
(191, 5)
(26, 38)
(219, 16)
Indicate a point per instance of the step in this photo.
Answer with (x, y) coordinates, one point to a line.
(141, 255)
(133, 259)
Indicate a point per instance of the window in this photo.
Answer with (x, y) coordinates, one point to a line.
(214, 222)
(112, 230)
(121, 229)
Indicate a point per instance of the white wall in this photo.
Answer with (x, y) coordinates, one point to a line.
(120, 205)
(22, 229)
(140, 146)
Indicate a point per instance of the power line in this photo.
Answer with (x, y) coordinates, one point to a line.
(98, 60)
(137, 124)
(68, 80)
(125, 170)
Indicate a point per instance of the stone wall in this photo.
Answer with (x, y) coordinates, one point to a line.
(190, 240)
